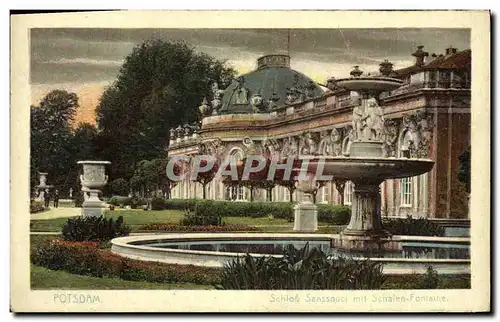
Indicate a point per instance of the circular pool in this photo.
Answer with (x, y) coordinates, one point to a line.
(406, 254)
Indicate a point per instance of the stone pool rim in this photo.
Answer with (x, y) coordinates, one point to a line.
(124, 247)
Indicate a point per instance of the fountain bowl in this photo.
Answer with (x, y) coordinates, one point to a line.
(369, 168)
(370, 84)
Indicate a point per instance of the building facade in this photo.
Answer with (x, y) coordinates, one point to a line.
(277, 110)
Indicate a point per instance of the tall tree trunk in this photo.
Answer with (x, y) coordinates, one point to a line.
(251, 193)
(269, 194)
(204, 185)
(290, 191)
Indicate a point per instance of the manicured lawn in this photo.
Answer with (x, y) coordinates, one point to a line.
(137, 218)
(48, 224)
(133, 218)
(42, 278)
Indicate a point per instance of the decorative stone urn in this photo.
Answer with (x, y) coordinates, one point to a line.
(42, 186)
(305, 212)
(94, 178)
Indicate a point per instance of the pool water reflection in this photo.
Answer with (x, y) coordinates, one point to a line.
(416, 250)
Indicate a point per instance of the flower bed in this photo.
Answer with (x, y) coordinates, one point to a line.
(36, 207)
(209, 228)
(87, 258)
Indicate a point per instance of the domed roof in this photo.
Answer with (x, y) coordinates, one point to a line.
(272, 85)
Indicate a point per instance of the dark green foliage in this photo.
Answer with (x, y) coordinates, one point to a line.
(55, 146)
(158, 203)
(180, 204)
(334, 214)
(119, 187)
(94, 229)
(464, 171)
(430, 279)
(307, 268)
(192, 219)
(78, 199)
(121, 201)
(413, 227)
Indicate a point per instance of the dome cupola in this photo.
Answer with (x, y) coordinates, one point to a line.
(272, 85)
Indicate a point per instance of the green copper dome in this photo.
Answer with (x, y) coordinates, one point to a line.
(273, 85)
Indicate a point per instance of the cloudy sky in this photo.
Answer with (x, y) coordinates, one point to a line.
(86, 60)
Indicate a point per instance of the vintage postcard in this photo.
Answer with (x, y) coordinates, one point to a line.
(250, 161)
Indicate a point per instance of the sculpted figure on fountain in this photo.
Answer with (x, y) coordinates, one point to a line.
(374, 120)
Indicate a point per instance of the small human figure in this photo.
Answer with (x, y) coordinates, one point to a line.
(46, 198)
(56, 199)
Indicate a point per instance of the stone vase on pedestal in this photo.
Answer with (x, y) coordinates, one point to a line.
(42, 186)
(94, 178)
(306, 213)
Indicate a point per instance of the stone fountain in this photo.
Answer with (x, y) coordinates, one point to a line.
(365, 165)
(94, 178)
(42, 186)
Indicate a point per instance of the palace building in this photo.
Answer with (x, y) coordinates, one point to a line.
(279, 110)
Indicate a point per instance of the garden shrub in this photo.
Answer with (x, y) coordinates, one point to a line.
(306, 268)
(121, 201)
(413, 227)
(94, 229)
(334, 214)
(158, 203)
(208, 219)
(181, 204)
(86, 258)
(36, 206)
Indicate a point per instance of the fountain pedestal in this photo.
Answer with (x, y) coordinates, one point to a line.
(305, 212)
(366, 217)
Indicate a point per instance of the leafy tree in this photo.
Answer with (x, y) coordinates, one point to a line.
(204, 178)
(119, 187)
(160, 86)
(51, 137)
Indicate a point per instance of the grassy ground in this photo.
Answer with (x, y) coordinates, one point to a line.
(42, 278)
(137, 218)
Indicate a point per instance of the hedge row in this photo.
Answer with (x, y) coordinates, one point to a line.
(86, 258)
(332, 214)
(121, 201)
